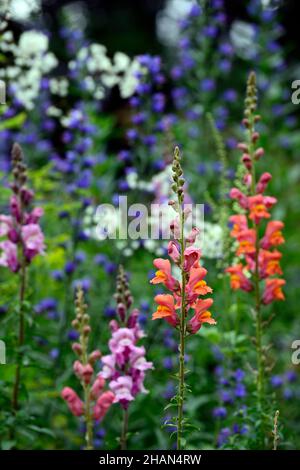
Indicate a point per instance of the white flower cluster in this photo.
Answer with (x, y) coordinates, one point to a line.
(210, 237)
(100, 72)
(31, 61)
(59, 86)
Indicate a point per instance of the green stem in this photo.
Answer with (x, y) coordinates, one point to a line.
(123, 439)
(87, 396)
(88, 418)
(21, 336)
(182, 331)
(258, 313)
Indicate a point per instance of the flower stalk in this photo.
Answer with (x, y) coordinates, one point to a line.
(186, 292)
(259, 253)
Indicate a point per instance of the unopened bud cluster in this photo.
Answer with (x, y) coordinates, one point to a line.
(177, 176)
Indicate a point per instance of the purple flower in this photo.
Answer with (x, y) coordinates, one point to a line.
(158, 102)
(239, 375)
(45, 305)
(240, 391)
(288, 394)
(291, 376)
(276, 381)
(109, 312)
(70, 267)
(73, 335)
(219, 412)
(230, 95)
(223, 436)
(132, 134)
(195, 11)
(168, 363)
(57, 275)
(176, 72)
(208, 84)
(54, 353)
(225, 396)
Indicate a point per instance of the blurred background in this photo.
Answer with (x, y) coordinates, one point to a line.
(98, 94)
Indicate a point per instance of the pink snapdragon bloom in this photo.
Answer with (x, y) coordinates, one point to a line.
(21, 227)
(103, 404)
(96, 401)
(73, 401)
(191, 257)
(122, 387)
(126, 365)
(6, 224)
(125, 355)
(9, 255)
(33, 239)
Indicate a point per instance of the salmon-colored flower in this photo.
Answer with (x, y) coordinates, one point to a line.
(173, 251)
(238, 280)
(202, 315)
(273, 235)
(240, 197)
(273, 290)
(196, 285)
(258, 208)
(166, 309)
(246, 239)
(268, 262)
(163, 275)
(240, 224)
(191, 257)
(263, 182)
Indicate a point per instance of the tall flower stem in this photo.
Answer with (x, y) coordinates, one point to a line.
(84, 338)
(256, 280)
(21, 337)
(182, 332)
(123, 439)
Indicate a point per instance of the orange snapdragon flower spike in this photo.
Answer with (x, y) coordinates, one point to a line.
(257, 259)
(169, 305)
(186, 308)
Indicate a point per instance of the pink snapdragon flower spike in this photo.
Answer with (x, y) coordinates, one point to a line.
(21, 227)
(96, 402)
(258, 265)
(183, 308)
(126, 366)
(21, 240)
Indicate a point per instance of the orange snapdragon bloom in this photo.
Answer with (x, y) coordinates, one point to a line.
(246, 239)
(196, 285)
(273, 235)
(202, 315)
(166, 309)
(163, 275)
(269, 263)
(258, 209)
(240, 224)
(273, 290)
(238, 280)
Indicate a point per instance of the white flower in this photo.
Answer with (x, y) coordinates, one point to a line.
(33, 43)
(121, 62)
(129, 81)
